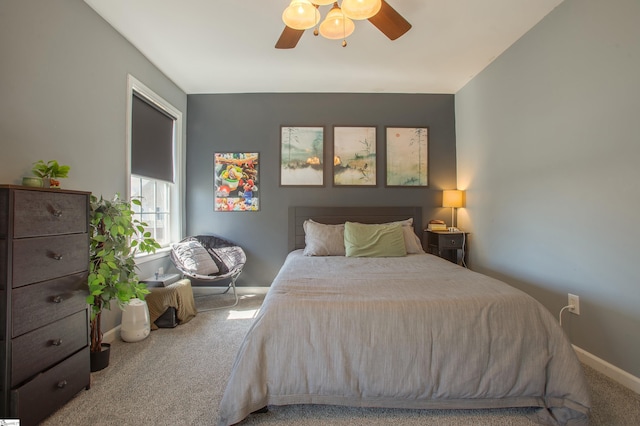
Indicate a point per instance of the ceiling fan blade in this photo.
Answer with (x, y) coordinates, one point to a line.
(289, 38)
(390, 22)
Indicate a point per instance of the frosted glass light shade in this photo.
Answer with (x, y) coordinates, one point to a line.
(361, 9)
(323, 2)
(300, 15)
(452, 198)
(336, 26)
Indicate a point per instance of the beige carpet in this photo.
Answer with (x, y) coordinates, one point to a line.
(177, 376)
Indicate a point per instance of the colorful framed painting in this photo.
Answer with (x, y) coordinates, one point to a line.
(301, 156)
(354, 156)
(407, 156)
(236, 182)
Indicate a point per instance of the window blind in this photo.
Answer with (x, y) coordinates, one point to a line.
(151, 141)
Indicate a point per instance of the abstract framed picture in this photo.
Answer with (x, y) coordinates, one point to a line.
(407, 156)
(236, 181)
(302, 156)
(354, 156)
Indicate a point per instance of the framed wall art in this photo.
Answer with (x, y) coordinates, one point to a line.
(235, 181)
(302, 156)
(407, 156)
(354, 156)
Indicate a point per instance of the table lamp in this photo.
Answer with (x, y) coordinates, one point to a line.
(452, 198)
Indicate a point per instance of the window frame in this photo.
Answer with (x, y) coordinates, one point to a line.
(177, 188)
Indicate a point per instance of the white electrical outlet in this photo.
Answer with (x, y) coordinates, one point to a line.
(574, 301)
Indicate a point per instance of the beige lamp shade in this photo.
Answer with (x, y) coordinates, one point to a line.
(361, 9)
(301, 15)
(452, 198)
(336, 25)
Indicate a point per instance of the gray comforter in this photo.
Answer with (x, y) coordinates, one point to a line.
(409, 332)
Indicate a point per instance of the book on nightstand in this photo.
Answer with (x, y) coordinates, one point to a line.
(436, 225)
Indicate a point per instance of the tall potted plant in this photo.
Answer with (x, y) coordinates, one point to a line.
(115, 237)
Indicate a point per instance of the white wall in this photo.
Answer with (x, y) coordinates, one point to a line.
(548, 151)
(63, 87)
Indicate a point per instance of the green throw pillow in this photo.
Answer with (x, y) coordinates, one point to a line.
(364, 240)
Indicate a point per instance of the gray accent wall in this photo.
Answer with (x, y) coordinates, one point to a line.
(63, 89)
(251, 123)
(548, 150)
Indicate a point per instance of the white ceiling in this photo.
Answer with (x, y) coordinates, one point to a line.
(227, 46)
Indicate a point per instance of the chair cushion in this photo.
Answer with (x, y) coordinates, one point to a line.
(194, 258)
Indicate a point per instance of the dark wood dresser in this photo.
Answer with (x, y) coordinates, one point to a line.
(44, 326)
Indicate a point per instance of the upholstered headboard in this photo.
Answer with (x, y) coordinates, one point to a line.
(334, 215)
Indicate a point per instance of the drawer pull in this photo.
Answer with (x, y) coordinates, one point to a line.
(57, 256)
(62, 384)
(57, 213)
(57, 299)
(56, 342)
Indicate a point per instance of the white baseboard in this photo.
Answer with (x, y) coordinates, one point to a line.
(111, 335)
(611, 371)
(249, 290)
(202, 290)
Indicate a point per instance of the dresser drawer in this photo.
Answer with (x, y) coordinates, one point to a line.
(39, 304)
(43, 395)
(41, 259)
(46, 346)
(49, 213)
(4, 261)
(451, 241)
(3, 327)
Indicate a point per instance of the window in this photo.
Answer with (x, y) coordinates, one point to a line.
(155, 211)
(155, 172)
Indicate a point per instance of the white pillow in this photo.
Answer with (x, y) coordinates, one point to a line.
(323, 240)
(412, 242)
(194, 258)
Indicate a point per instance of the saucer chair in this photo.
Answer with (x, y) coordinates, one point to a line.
(210, 259)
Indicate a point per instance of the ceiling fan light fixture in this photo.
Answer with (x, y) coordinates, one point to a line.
(361, 9)
(336, 25)
(300, 15)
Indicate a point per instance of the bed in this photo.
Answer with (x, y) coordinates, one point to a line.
(405, 331)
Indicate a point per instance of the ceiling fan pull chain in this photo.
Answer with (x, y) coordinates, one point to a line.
(344, 30)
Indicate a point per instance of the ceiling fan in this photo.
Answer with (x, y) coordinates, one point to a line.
(386, 19)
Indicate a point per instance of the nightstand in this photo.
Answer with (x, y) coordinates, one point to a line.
(448, 245)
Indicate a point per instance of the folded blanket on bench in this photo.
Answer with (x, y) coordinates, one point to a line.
(178, 295)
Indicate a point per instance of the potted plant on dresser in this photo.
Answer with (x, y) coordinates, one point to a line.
(50, 172)
(115, 237)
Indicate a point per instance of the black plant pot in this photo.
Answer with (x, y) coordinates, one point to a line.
(100, 360)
